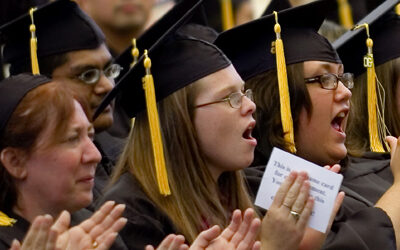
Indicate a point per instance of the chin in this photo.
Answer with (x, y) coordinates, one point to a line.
(103, 122)
(339, 155)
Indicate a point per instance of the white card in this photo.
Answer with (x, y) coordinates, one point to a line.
(325, 185)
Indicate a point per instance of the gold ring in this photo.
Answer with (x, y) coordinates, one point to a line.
(95, 244)
(295, 215)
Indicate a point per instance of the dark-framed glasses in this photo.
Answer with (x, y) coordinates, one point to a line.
(331, 81)
(92, 76)
(234, 99)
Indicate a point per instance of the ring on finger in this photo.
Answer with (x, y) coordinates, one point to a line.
(295, 215)
(95, 244)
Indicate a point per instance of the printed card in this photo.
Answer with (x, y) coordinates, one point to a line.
(324, 185)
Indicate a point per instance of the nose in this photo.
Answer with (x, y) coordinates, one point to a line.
(91, 154)
(342, 93)
(248, 106)
(104, 85)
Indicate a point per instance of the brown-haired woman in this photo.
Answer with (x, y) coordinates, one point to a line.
(47, 158)
(319, 97)
(386, 55)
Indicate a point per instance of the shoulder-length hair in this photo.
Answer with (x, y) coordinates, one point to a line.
(193, 189)
(357, 131)
(268, 130)
(50, 105)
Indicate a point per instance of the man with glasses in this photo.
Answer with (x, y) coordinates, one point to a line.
(70, 48)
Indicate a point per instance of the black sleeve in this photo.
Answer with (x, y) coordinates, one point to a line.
(369, 228)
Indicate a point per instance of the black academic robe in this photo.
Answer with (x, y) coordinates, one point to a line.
(21, 227)
(358, 224)
(110, 148)
(147, 224)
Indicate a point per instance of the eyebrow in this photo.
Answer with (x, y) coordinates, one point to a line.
(84, 67)
(229, 88)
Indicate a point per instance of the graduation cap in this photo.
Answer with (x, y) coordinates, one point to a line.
(276, 40)
(372, 42)
(181, 13)
(178, 58)
(384, 30)
(13, 90)
(60, 27)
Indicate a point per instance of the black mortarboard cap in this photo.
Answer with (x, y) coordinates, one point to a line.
(178, 58)
(251, 54)
(384, 29)
(61, 26)
(181, 13)
(13, 90)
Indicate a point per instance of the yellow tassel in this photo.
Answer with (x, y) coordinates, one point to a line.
(345, 15)
(376, 123)
(6, 221)
(34, 58)
(286, 113)
(135, 53)
(155, 132)
(135, 56)
(227, 14)
(398, 9)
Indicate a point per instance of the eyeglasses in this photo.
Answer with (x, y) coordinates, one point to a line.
(234, 99)
(331, 81)
(92, 76)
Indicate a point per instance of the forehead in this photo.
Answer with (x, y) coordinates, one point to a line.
(97, 58)
(226, 78)
(320, 67)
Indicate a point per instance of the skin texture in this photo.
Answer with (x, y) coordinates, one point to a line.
(73, 161)
(316, 138)
(120, 20)
(240, 234)
(77, 63)
(102, 227)
(220, 127)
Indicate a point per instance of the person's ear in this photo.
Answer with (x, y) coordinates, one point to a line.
(13, 161)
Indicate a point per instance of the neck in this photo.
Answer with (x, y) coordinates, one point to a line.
(30, 204)
(118, 41)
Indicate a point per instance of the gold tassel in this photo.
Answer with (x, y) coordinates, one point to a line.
(6, 221)
(227, 14)
(34, 58)
(376, 123)
(345, 15)
(398, 9)
(286, 113)
(135, 56)
(155, 132)
(135, 53)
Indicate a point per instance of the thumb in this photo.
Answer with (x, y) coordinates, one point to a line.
(205, 237)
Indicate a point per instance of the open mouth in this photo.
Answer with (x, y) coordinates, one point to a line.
(247, 134)
(338, 121)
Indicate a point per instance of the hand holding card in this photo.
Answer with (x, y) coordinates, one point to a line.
(324, 185)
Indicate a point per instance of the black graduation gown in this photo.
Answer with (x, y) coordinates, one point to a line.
(147, 224)
(358, 224)
(110, 148)
(21, 227)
